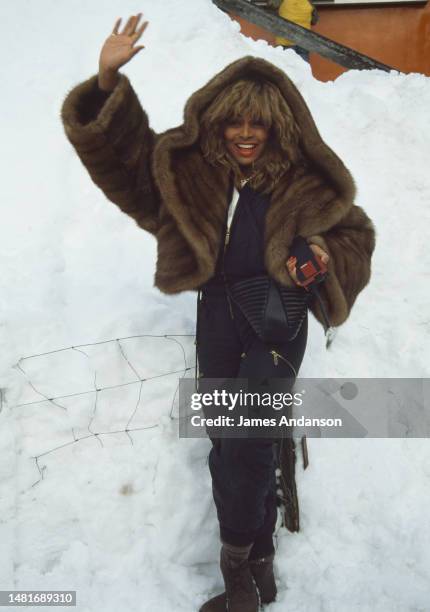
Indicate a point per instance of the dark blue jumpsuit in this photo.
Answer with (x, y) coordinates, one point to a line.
(242, 469)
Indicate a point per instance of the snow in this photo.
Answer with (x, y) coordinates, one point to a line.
(128, 521)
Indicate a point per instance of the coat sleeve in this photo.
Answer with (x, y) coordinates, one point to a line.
(350, 244)
(111, 135)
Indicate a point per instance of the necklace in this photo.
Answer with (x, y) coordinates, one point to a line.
(245, 180)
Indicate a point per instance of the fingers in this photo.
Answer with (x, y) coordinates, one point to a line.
(115, 29)
(128, 25)
(136, 50)
(140, 31)
(291, 265)
(319, 251)
(131, 24)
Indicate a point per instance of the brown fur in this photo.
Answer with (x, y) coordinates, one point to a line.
(164, 182)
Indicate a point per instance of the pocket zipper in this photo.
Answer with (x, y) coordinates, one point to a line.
(275, 361)
(227, 237)
(229, 305)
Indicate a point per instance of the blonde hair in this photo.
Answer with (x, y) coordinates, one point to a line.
(263, 102)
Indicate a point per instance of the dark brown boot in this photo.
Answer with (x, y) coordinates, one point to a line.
(240, 591)
(216, 604)
(262, 571)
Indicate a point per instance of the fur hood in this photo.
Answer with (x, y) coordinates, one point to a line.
(315, 149)
(166, 185)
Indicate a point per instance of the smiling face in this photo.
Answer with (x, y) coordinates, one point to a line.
(249, 130)
(245, 139)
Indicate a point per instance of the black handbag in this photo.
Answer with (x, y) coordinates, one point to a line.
(275, 312)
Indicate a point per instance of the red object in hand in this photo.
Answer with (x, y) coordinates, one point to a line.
(309, 272)
(310, 269)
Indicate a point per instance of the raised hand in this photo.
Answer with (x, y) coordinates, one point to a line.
(118, 48)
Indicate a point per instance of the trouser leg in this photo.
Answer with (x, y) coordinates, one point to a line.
(263, 540)
(242, 473)
(243, 469)
(219, 345)
(252, 513)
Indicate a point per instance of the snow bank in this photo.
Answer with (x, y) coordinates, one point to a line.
(128, 520)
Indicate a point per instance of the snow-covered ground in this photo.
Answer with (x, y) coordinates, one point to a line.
(128, 520)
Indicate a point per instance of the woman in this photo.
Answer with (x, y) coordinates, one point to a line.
(248, 140)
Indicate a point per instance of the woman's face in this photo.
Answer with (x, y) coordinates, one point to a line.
(245, 140)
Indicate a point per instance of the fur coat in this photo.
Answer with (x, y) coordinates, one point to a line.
(163, 182)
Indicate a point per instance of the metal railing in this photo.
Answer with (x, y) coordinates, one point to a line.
(317, 43)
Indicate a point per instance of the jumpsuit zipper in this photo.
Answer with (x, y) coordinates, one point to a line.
(275, 360)
(227, 238)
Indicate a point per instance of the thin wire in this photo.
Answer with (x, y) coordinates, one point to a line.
(133, 382)
(133, 369)
(136, 407)
(96, 434)
(77, 346)
(91, 435)
(47, 399)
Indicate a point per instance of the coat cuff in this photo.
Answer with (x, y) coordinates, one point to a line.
(88, 112)
(330, 290)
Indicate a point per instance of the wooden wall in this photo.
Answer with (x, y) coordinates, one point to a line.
(395, 35)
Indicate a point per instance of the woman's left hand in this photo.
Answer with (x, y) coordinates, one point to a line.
(291, 262)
